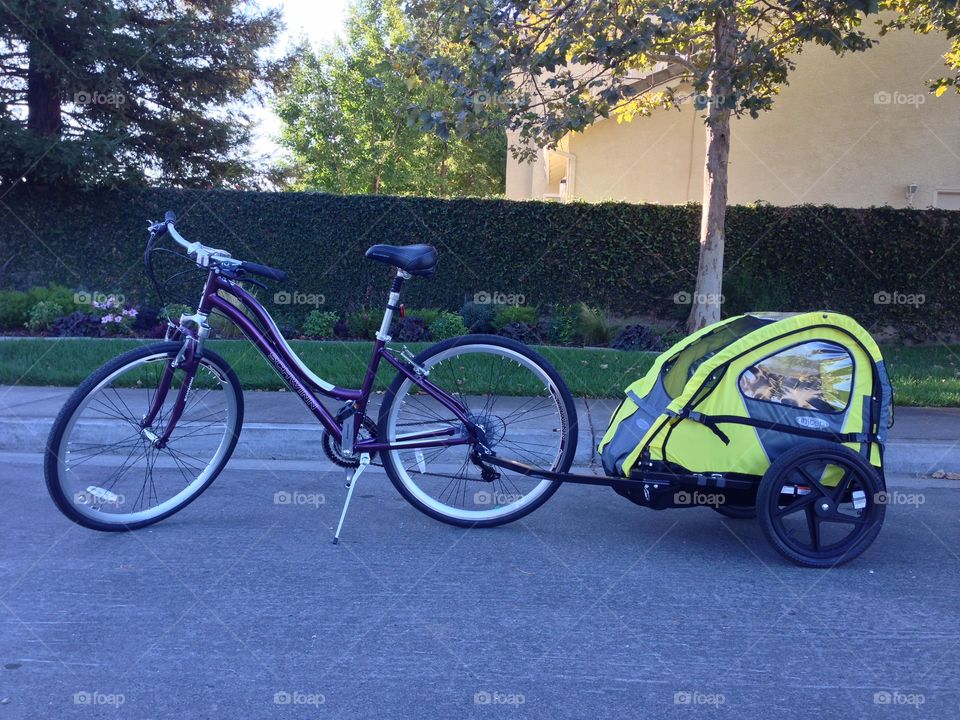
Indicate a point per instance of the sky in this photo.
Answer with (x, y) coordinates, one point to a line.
(319, 21)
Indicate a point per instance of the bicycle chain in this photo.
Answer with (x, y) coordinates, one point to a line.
(332, 450)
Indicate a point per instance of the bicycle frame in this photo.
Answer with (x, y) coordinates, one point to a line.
(263, 332)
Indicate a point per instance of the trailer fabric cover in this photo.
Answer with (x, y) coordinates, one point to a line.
(769, 379)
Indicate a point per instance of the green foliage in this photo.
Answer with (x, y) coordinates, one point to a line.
(173, 311)
(43, 314)
(744, 292)
(428, 315)
(15, 305)
(669, 338)
(14, 308)
(478, 317)
(563, 323)
(830, 258)
(320, 324)
(364, 323)
(529, 55)
(924, 16)
(101, 92)
(503, 315)
(554, 68)
(411, 329)
(223, 327)
(345, 118)
(595, 327)
(55, 293)
(447, 325)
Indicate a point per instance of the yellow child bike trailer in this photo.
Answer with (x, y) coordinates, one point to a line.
(780, 416)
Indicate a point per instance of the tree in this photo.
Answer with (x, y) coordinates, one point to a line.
(924, 17)
(129, 91)
(346, 119)
(558, 65)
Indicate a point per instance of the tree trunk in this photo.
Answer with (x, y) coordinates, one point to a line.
(43, 98)
(707, 297)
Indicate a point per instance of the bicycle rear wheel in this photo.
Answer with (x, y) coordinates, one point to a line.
(102, 466)
(524, 409)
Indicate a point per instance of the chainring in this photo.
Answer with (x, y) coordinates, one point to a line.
(332, 449)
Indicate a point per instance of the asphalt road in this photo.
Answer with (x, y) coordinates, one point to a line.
(240, 606)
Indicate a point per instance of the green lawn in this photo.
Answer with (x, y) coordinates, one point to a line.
(922, 376)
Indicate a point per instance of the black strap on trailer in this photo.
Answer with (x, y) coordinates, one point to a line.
(713, 422)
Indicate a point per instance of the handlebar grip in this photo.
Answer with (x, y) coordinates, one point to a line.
(263, 271)
(170, 216)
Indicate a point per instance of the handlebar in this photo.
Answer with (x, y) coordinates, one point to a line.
(177, 236)
(209, 257)
(263, 271)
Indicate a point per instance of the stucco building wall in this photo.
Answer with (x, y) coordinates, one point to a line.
(850, 131)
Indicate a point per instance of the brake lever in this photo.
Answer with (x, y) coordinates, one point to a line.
(235, 272)
(252, 282)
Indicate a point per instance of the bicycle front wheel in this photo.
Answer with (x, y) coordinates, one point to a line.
(524, 409)
(103, 467)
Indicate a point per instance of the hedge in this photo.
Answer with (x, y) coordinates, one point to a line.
(628, 259)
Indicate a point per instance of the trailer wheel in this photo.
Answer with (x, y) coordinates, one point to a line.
(820, 504)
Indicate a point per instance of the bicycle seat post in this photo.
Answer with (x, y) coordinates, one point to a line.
(392, 305)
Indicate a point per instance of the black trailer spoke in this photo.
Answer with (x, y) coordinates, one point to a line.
(813, 526)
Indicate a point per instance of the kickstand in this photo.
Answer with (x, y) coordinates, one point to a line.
(351, 484)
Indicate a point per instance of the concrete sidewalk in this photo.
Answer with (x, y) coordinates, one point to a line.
(278, 427)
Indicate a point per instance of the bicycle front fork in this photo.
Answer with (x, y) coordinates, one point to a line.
(188, 359)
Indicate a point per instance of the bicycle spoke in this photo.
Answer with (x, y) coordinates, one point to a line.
(132, 479)
(529, 427)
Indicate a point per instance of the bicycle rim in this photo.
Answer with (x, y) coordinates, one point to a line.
(528, 424)
(108, 467)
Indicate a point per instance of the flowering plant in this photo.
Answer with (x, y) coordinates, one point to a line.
(116, 318)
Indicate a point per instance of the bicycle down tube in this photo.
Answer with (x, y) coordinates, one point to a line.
(268, 339)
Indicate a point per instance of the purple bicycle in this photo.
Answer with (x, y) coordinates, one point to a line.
(150, 430)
